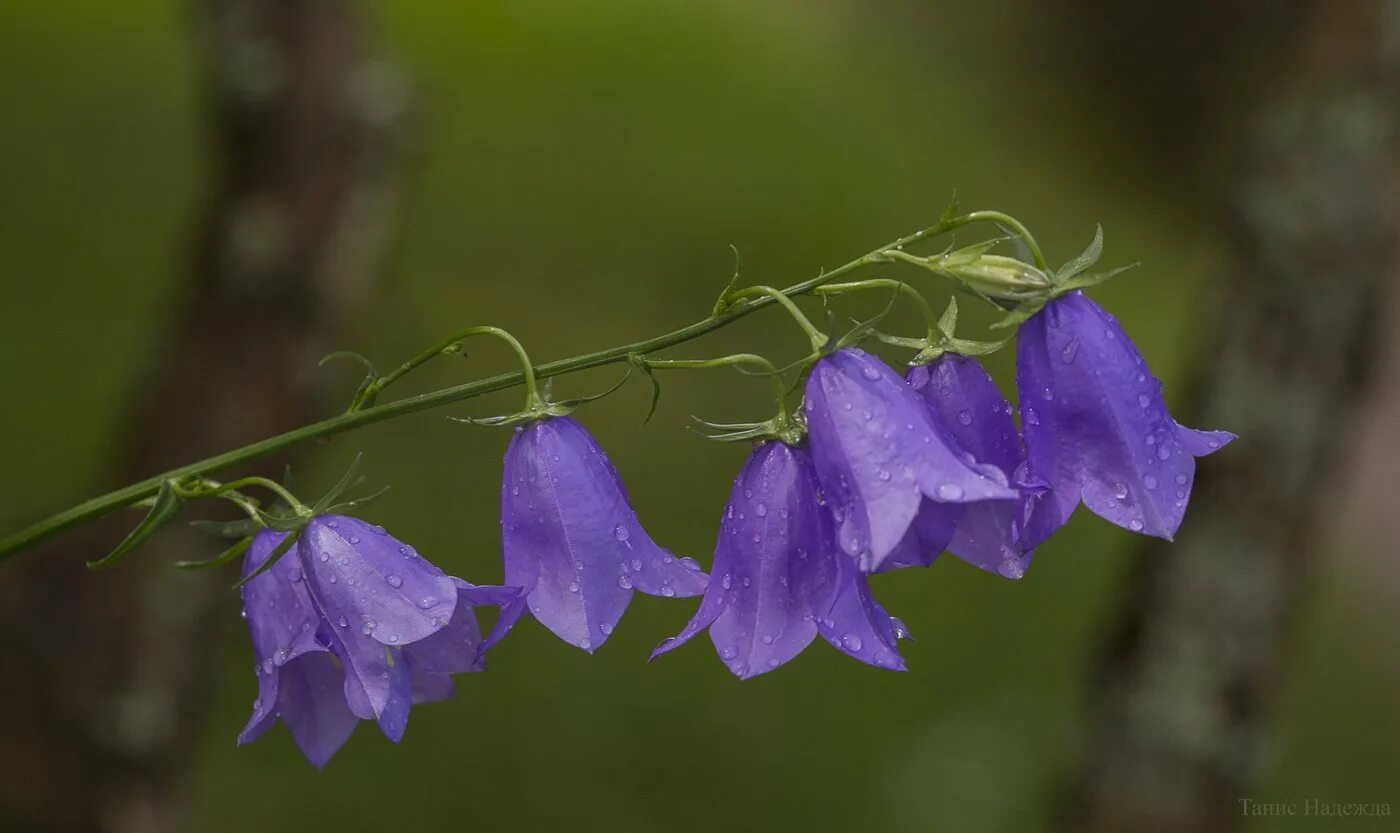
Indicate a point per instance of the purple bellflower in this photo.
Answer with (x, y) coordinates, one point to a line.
(991, 534)
(778, 579)
(880, 456)
(571, 539)
(354, 625)
(1096, 426)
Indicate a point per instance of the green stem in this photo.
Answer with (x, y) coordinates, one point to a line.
(1005, 220)
(135, 492)
(887, 283)
(779, 390)
(214, 489)
(453, 344)
(817, 337)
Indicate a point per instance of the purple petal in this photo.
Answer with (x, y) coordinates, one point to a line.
(970, 407)
(376, 681)
(857, 625)
(430, 688)
(1201, 443)
(1096, 426)
(571, 539)
(282, 622)
(360, 572)
(776, 552)
(879, 454)
(312, 704)
(928, 535)
(452, 650)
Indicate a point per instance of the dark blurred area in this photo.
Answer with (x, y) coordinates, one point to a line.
(201, 199)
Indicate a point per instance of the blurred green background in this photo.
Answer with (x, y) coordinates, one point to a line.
(579, 172)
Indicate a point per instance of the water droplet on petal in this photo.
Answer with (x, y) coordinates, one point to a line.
(354, 540)
(851, 642)
(1149, 481)
(668, 592)
(1181, 479)
(1069, 351)
(1163, 453)
(343, 622)
(573, 587)
(624, 582)
(950, 491)
(394, 581)
(1144, 400)
(1120, 490)
(965, 417)
(605, 629)
(620, 533)
(1135, 525)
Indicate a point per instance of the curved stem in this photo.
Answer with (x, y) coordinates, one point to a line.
(1004, 220)
(220, 489)
(779, 390)
(887, 283)
(136, 492)
(452, 344)
(818, 338)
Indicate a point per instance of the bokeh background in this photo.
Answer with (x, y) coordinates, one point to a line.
(577, 173)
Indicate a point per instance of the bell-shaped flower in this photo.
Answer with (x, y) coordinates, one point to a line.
(570, 538)
(354, 625)
(778, 579)
(991, 534)
(880, 455)
(1095, 424)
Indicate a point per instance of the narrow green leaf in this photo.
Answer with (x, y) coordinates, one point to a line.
(347, 481)
(231, 554)
(722, 303)
(640, 363)
(228, 529)
(1019, 314)
(948, 322)
(272, 558)
(1086, 258)
(164, 509)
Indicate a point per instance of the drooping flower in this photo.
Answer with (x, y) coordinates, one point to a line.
(991, 534)
(1095, 424)
(778, 579)
(880, 456)
(571, 539)
(354, 625)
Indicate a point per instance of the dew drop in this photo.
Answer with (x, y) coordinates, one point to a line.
(727, 582)
(605, 629)
(573, 587)
(624, 582)
(1135, 525)
(343, 622)
(1163, 453)
(870, 373)
(394, 581)
(884, 476)
(1181, 479)
(620, 533)
(851, 642)
(668, 592)
(760, 510)
(1143, 400)
(354, 540)
(1149, 481)
(965, 417)
(1120, 490)
(1070, 351)
(294, 574)
(950, 491)
(325, 556)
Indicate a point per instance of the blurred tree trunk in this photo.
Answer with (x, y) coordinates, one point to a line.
(106, 674)
(1179, 705)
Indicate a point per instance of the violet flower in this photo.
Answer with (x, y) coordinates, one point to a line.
(992, 534)
(355, 625)
(1096, 426)
(571, 539)
(778, 578)
(880, 455)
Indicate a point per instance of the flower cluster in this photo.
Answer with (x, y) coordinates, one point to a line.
(877, 472)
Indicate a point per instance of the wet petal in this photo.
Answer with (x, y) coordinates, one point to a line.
(930, 534)
(1202, 443)
(967, 402)
(774, 563)
(1096, 425)
(858, 626)
(376, 582)
(312, 704)
(879, 454)
(452, 650)
(571, 539)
